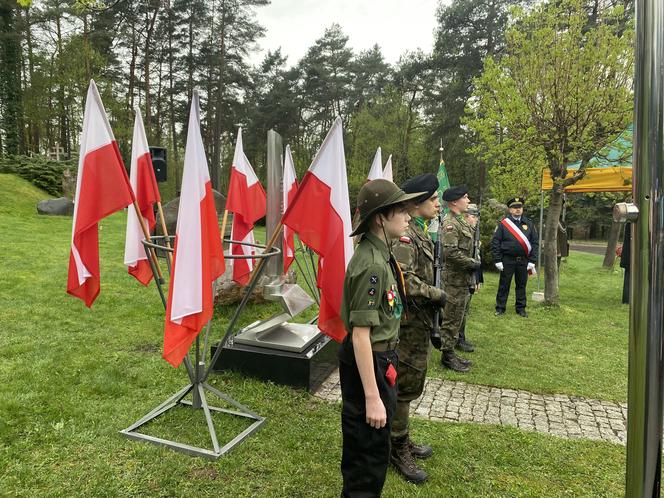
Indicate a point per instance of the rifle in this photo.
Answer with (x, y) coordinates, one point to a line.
(434, 333)
(476, 240)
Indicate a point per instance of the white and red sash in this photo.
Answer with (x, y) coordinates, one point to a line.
(518, 235)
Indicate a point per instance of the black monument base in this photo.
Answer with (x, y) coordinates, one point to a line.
(305, 370)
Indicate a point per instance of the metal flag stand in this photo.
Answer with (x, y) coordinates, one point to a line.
(197, 376)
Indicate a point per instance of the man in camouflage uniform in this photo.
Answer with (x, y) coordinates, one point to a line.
(458, 273)
(415, 252)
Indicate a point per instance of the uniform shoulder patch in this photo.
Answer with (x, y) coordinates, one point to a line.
(405, 239)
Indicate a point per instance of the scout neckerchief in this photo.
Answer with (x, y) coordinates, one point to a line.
(421, 222)
(518, 235)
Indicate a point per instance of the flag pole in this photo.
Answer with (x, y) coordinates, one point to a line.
(146, 234)
(223, 224)
(268, 247)
(165, 231)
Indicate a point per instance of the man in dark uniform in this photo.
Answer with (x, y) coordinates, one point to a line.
(371, 309)
(514, 249)
(415, 252)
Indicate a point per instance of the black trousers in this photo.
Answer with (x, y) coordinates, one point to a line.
(366, 451)
(517, 267)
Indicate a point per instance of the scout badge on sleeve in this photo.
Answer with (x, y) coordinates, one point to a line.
(393, 301)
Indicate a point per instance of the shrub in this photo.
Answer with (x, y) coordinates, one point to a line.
(41, 172)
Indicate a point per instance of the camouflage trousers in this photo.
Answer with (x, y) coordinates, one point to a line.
(453, 315)
(413, 351)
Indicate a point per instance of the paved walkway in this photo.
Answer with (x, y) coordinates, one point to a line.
(559, 415)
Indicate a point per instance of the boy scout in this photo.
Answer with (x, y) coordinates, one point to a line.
(371, 309)
(458, 273)
(414, 252)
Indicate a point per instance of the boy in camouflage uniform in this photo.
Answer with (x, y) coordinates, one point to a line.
(458, 273)
(415, 253)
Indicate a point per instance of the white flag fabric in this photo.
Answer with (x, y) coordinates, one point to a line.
(376, 170)
(198, 257)
(320, 215)
(387, 171)
(289, 192)
(144, 185)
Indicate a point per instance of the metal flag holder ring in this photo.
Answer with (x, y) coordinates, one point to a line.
(198, 385)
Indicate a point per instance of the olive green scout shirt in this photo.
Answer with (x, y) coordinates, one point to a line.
(368, 286)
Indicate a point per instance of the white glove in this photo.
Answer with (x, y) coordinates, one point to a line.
(531, 267)
(499, 265)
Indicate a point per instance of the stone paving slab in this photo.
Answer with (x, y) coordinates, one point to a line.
(559, 415)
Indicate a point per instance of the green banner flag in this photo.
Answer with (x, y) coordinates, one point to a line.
(443, 181)
(443, 184)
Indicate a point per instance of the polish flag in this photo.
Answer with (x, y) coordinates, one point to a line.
(290, 189)
(376, 170)
(387, 172)
(246, 200)
(102, 188)
(198, 257)
(145, 188)
(320, 215)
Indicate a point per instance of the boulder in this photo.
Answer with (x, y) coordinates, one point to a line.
(171, 212)
(56, 207)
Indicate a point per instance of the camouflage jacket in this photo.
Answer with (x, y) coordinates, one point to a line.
(458, 268)
(414, 252)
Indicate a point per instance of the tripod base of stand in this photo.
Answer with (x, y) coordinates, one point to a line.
(199, 403)
(306, 369)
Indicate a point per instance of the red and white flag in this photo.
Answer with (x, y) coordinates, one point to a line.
(246, 200)
(290, 189)
(387, 171)
(144, 184)
(102, 188)
(376, 170)
(198, 257)
(320, 215)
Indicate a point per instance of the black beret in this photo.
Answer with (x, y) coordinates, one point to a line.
(427, 182)
(455, 193)
(516, 200)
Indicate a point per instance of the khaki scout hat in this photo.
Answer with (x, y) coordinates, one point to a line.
(376, 195)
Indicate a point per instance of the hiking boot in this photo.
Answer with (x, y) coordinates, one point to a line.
(522, 313)
(465, 346)
(419, 450)
(402, 460)
(500, 312)
(451, 361)
(463, 360)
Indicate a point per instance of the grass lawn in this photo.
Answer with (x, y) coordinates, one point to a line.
(578, 348)
(71, 378)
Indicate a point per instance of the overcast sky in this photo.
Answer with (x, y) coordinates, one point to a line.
(396, 25)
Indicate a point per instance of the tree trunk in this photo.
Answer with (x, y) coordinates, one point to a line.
(174, 140)
(610, 255)
(132, 68)
(146, 69)
(550, 250)
(215, 163)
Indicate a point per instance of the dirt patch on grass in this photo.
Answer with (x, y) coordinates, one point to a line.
(146, 348)
(205, 473)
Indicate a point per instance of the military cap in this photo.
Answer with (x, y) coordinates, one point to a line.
(516, 202)
(455, 193)
(427, 183)
(473, 210)
(376, 195)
